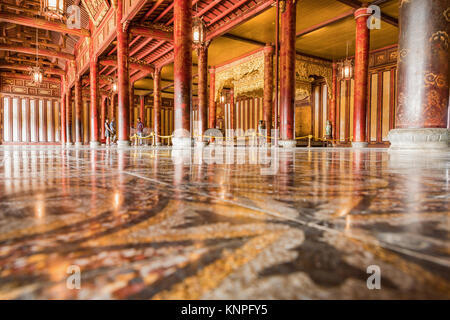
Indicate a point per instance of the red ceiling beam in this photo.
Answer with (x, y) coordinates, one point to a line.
(28, 68)
(27, 77)
(42, 24)
(152, 9)
(41, 52)
(153, 33)
(228, 11)
(133, 65)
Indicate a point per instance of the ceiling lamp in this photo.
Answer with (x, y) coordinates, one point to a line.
(53, 9)
(36, 73)
(346, 68)
(114, 87)
(198, 31)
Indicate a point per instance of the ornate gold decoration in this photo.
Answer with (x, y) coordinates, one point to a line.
(402, 54)
(246, 75)
(441, 37)
(446, 14)
(97, 9)
(432, 79)
(306, 67)
(159, 26)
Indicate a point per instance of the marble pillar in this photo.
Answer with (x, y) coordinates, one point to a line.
(421, 120)
(182, 72)
(362, 47)
(287, 75)
(268, 89)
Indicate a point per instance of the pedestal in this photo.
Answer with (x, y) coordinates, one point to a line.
(419, 139)
(287, 143)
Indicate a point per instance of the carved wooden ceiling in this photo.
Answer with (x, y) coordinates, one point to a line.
(324, 27)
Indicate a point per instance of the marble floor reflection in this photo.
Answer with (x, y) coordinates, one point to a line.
(224, 223)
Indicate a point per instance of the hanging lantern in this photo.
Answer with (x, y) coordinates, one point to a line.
(53, 9)
(222, 98)
(114, 87)
(198, 31)
(36, 75)
(346, 69)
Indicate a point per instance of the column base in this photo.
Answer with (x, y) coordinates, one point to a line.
(78, 144)
(359, 145)
(123, 144)
(419, 139)
(182, 142)
(287, 143)
(200, 144)
(94, 144)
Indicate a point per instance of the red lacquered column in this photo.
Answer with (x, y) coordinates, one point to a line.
(421, 120)
(68, 114)
(182, 71)
(142, 108)
(123, 127)
(102, 120)
(63, 110)
(332, 115)
(157, 105)
(361, 75)
(287, 76)
(212, 98)
(202, 52)
(232, 112)
(268, 89)
(93, 73)
(78, 107)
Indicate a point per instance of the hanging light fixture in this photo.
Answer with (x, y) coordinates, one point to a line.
(36, 73)
(53, 9)
(346, 68)
(198, 30)
(114, 87)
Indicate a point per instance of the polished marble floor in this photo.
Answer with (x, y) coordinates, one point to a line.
(223, 223)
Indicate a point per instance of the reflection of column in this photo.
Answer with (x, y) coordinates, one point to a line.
(332, 115)
(78, 107)
(268, 89)
(423, 76)
(157, 104)
(212, 99)
(362, 47)
(182, 71)
(93, 75)
(287, 74)
(202, 53)
(123, 77)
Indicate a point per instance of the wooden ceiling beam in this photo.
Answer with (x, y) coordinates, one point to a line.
(133, 65)
(42, 24)
(326, 23)
(26, 77)
(356, 4)
(150, 32)
(41, 52)
(22, 67)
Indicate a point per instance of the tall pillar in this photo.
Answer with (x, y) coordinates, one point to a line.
(212, 98)
(182, 72)
(423, 76)
(78, 107)
(332, 115)
(287, 75)
(102, 118)
(362, 46)
(157, 105)
(202, 53)
(268, 89)
(142, 108)
(123, 127)
(63, 110)
(68, 127)
(93, 74)
(232, 111)
(132, 119)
